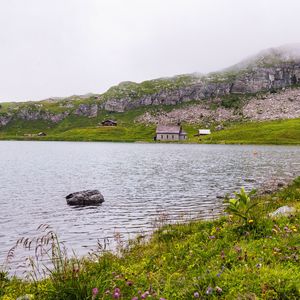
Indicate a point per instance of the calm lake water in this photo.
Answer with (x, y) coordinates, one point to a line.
(139, 182)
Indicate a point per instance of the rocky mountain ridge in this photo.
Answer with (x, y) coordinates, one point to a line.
(271, 71)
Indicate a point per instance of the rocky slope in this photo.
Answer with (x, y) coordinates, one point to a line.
(270, 70)
(284, 104)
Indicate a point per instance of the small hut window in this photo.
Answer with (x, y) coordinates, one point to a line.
(172, 137)
(161, 136)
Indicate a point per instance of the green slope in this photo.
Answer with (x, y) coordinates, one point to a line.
(75, 128)
(271, 132)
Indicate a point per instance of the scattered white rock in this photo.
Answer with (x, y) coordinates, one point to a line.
(283, 211)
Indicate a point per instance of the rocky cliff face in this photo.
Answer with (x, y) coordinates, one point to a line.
(265, 79)
(33, 115)
(259, 79)
(39, 112)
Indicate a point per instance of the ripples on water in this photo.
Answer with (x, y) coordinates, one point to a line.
(139, 183)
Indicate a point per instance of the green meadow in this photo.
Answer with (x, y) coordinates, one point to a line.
(271, 132)
(75, 128)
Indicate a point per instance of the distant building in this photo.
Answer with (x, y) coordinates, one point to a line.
(204, 131)
(41, 134)
(170, 133)
(109, 123)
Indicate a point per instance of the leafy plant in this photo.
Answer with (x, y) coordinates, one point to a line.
(242, 205)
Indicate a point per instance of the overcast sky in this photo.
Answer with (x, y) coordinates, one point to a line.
(64, 47)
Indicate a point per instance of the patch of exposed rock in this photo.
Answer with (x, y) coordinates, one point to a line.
(33, 115)
(282, 105)
(274, 183)
(270, 106)
(5, 119)
(193, 114)
(87, 110)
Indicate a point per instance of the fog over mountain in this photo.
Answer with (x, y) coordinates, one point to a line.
(60, 48)
(284, 53)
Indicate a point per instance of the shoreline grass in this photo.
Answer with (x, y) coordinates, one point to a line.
(233, 257)
(280, 132)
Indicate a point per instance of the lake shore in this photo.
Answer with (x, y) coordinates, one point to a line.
(230, 257)
(280, 132)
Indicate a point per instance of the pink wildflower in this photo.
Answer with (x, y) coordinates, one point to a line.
(95, 291)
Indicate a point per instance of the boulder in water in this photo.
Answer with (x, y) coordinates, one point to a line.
(83, 198)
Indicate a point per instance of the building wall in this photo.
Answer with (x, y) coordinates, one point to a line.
(167, 137)
(182, 137)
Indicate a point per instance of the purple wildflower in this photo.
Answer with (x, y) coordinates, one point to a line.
(117, 293)
(135, 298)
(144, 295)
(209, 291)
(196, 295)
(219, 290)
(129, 282)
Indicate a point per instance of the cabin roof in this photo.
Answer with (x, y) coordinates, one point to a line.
(110, 121)
(175, 129)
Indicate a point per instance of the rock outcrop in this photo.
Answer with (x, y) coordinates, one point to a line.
(5, 119)
(30, 114)
(250, 81)
(196, 91)
(87, 110)
(83, 198)
(270, 106)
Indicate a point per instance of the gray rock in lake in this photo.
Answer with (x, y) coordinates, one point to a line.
(82, 198)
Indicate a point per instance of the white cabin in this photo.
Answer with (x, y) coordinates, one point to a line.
(204, 131)
(170, 133)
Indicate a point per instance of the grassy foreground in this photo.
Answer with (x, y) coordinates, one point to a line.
(246, 255)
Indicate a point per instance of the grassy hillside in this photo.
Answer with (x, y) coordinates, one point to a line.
(272, 132)
(244, 255)
(75, 128)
